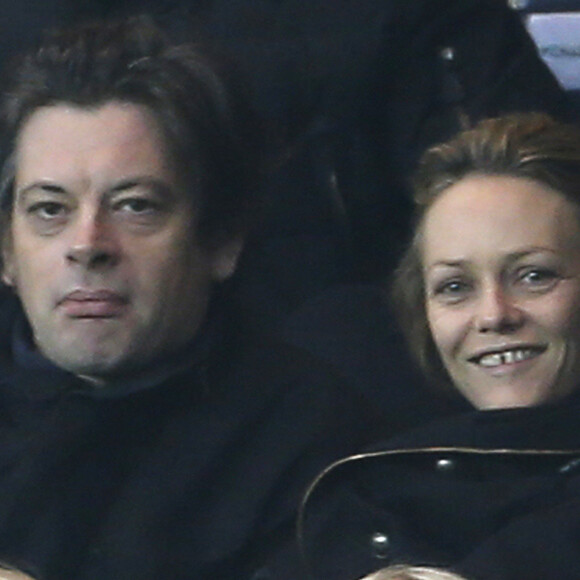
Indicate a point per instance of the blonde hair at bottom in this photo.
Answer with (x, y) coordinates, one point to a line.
(403, 572)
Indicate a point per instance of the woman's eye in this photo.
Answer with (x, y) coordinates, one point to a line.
(538, 278)
(451, 290)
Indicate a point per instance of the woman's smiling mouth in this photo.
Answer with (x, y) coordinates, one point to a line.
(507, 356)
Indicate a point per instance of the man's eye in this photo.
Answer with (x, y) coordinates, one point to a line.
(138, 206)
(47, 210)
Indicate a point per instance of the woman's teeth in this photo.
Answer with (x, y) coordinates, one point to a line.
(506, 357)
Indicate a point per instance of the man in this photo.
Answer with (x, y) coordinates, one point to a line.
(141, 434)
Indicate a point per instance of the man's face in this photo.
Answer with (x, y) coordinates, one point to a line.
(102, 248)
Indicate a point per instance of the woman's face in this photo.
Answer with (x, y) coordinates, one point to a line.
(501, 266)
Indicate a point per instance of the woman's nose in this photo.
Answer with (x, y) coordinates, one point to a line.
(497, 311)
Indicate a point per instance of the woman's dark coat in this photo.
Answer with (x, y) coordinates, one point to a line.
(494, 495)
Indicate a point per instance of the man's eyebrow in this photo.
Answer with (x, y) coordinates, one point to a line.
(158, 185)
(47, 186)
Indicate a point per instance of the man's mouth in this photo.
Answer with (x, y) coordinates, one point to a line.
(507, 356)
(93, 304)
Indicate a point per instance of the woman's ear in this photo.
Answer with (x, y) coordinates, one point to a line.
(225, 259)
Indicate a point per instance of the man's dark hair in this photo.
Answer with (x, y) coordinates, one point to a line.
(211, 133)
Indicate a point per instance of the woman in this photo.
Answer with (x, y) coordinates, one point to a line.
(489, 297)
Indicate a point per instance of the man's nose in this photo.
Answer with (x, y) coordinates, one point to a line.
(92, 242)
(497, 311)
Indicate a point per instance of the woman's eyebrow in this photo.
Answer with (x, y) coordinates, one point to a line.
(525, 252)
(448, 264)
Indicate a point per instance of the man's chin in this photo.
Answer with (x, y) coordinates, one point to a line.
(93, 367)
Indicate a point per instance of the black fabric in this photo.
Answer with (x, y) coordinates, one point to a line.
(366, 87)
(440, 65)
(353, 329)
(197, 476)
(494, 495)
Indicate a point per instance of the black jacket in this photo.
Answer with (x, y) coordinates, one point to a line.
(494, 495)
(194, 471)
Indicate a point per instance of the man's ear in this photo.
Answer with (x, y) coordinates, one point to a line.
(7, 188)
(7, 266)
(225, 259)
